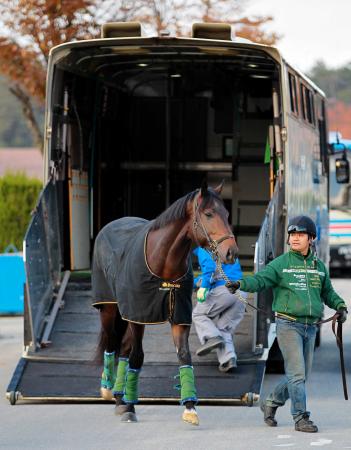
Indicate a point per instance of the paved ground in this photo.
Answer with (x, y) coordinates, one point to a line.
(61, 427)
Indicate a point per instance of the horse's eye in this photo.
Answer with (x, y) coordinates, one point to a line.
(208, 214)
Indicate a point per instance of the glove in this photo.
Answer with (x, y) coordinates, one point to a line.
(232, 286)
(201, 294)
(342, 314)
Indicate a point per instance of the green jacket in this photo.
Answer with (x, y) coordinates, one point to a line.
(299, 288)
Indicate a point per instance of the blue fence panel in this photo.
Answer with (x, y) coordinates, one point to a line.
(12, 279)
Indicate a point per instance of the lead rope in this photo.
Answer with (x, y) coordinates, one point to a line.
(237, 293)
(337, 333)
(338, 337)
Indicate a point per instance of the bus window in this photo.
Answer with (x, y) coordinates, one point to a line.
(293, 94)
(307, 104)
(310, 106)
(323, 143)
(303, 101)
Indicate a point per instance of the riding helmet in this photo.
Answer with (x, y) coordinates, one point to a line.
(302, 224)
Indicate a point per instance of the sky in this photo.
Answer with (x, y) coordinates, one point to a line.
(310, 30)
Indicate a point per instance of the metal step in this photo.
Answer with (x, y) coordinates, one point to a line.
(79, 381)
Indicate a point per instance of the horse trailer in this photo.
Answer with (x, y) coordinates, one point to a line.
(133, 123)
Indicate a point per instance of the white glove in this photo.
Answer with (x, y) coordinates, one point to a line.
(201, 294)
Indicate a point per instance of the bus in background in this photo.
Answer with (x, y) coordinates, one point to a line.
(340, 208)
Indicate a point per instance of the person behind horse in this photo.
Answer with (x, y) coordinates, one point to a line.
(301, 285)
(218, 312)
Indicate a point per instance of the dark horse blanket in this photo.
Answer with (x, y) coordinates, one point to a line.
(121, 275)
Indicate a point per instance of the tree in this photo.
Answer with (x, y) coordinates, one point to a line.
(335, 82)
(176, 16)
(13, 131)
(33, 27)
(230, 11)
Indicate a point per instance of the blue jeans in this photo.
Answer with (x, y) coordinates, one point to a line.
(296, 341)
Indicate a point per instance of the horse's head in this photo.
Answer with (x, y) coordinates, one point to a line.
(211, 228)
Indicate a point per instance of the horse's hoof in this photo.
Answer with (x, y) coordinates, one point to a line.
(121, 409)
(129, 417)
(190, 416)
(106, 394)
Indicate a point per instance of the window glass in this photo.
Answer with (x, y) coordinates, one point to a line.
(323, 141)
(303, 101)
(307, 104)
(293, 93)
(311, 101)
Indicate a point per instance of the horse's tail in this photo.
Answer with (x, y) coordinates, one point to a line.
(111, 340)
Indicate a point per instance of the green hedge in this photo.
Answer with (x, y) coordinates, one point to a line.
(18, 197)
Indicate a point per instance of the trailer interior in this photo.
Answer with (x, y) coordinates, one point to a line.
(142, 130)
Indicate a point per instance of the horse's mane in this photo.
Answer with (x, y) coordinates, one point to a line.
(178, 209)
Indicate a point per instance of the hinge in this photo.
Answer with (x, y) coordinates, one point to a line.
(284, 134)
(48, 132)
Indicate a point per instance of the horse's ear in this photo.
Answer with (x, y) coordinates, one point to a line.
(204, 188)
(219, 188)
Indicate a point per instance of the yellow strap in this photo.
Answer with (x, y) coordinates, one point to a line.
(286, 316)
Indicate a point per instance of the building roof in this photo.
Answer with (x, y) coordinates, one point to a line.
(24, 159)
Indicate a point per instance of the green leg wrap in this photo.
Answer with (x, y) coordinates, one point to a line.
(187, 384)
(118, 388)
(108, 375)
(131, 390)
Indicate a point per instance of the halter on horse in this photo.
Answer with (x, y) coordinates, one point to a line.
(141, 275)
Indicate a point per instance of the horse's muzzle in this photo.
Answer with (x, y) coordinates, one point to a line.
(231, 255)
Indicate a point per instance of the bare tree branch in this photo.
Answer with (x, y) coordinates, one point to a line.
(27, 109)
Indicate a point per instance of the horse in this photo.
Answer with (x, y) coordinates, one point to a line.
(141, 275)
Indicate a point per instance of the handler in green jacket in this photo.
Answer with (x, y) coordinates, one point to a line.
(301, 285)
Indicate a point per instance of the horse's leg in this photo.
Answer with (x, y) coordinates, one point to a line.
(107, 318)
(136, 359)
(186, 372)
(122, 367)
(113, 329)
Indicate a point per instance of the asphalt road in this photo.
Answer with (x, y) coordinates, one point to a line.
(94, 426)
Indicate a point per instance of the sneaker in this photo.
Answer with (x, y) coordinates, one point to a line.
(228, 366)
(306, 425)
(210, 345)
(269, 414)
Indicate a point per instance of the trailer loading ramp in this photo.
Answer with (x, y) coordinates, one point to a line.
(65, 370)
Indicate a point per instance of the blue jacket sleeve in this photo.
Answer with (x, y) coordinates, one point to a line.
(233, 271)
(207, 265)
